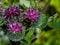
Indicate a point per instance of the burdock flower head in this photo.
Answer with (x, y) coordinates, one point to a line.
(12, 12)
(15, 27)
(32, 14)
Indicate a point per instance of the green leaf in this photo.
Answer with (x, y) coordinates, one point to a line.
(29, 36)
(2, 21)
(25, 3)
(15, 36)
(16, 1)
(6, 2)
(32, 2)
(55, 23)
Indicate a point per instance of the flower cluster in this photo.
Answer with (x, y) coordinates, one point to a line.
(14, 12)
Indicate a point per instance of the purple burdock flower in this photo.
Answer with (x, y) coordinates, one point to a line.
(15, 27)
(12, 12)
(32, 14)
